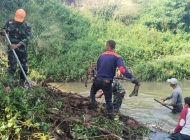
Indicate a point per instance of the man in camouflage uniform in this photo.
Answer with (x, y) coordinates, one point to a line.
(19, 34)
(118, 92)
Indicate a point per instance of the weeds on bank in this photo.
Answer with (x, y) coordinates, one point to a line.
(24, 114)
(21, 111)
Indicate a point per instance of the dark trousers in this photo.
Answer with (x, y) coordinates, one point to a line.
(106, 86)
(177, 109)
(179, 136)
(12, 62)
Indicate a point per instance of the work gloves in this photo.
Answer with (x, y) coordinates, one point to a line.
(135, 81)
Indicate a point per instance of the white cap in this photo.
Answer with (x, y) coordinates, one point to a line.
(172, 80)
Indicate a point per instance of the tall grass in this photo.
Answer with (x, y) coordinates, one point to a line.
(66, 38)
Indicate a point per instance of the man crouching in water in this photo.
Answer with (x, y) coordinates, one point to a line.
(176, 96)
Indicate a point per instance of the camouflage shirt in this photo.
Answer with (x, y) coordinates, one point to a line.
(117, 87)
(18, 32)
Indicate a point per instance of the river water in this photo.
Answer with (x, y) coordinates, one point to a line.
(141, 107)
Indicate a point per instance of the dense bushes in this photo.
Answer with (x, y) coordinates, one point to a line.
(161, 69)
(45, 113)
(60, 39)
(64, 40)
(22, 111)
(167, 15)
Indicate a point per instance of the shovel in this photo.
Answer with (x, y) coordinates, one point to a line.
(29, 84)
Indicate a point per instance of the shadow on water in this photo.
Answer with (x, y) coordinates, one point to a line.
(142, 107)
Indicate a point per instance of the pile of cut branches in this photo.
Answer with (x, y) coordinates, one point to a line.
(73, 120)
(47, 113)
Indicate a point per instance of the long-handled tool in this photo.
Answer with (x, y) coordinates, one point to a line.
(165, 105)
(29, 84)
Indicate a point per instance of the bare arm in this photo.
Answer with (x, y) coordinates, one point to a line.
(174, 97)
(167, 98)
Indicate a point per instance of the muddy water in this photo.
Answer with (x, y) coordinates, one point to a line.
(143, 107)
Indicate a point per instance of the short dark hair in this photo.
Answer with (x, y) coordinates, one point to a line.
(111, 43)
(187, 100)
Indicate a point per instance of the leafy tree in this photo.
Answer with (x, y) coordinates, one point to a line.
(166, 14)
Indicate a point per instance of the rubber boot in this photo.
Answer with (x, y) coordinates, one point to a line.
(23, 84)
(11, 79)
(22, 80)
(91, 106)
(92, 99)
(110, 114)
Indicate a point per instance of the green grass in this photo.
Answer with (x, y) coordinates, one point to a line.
(66, 38)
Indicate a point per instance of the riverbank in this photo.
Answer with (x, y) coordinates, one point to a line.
(94, 124)
(142, 107)
(47, 113)
(154, 48)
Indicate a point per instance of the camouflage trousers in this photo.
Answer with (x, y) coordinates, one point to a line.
(117, 100)
(12, 62)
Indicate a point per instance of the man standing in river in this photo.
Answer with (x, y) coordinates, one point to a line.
(176, 96)
(106, 68)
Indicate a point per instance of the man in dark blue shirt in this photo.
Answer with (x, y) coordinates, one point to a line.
(106, 68)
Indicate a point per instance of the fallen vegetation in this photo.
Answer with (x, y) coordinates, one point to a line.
(47, 113)
(74, 121)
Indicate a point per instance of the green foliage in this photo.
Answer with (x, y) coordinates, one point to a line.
(106, 11)
(115, 126)
(173, 14)
(160, 70)
(35, 75)
(152, 45)
(21, 109)
(28, 114)
(65, 39)
(81, 130)
(12, 5)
